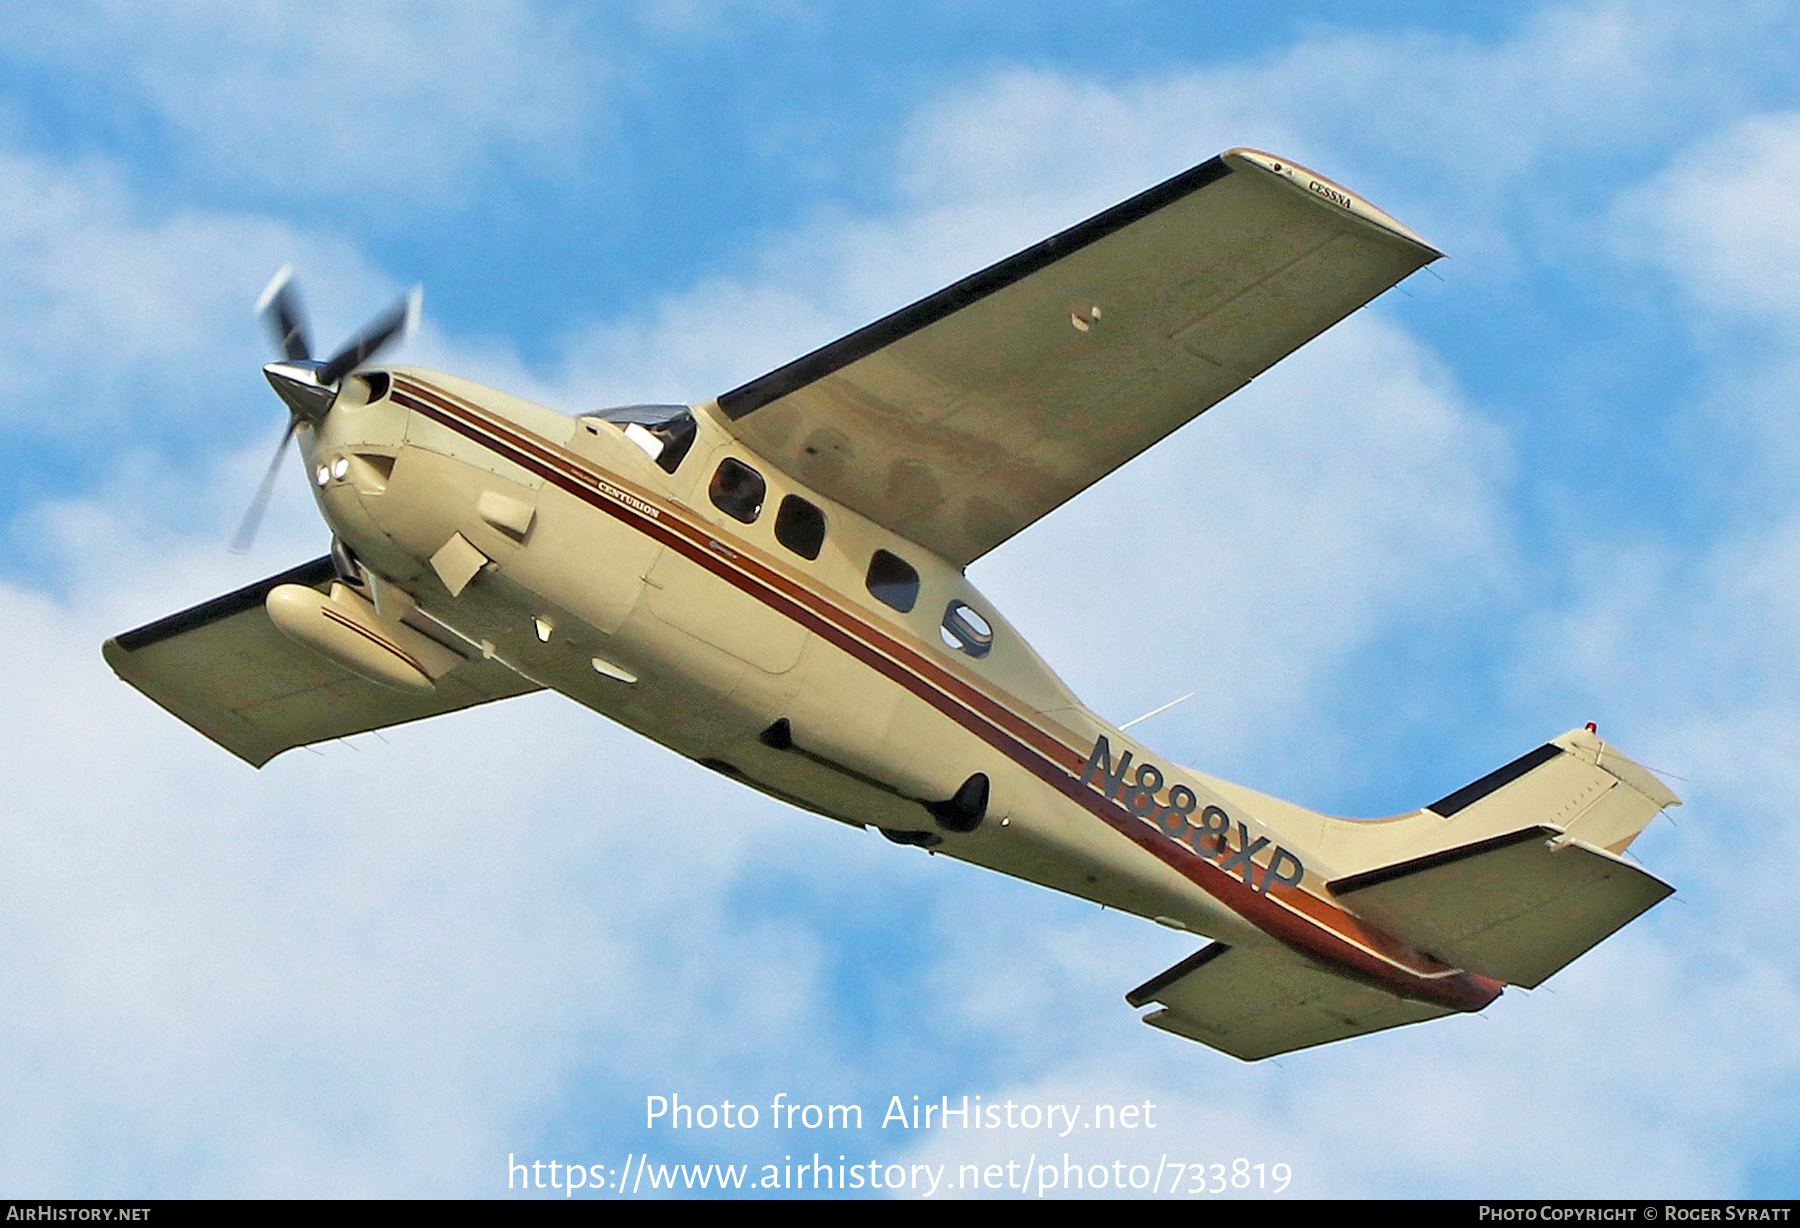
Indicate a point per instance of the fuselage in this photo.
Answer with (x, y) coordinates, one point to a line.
(666, 576)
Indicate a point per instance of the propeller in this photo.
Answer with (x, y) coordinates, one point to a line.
(306, 385)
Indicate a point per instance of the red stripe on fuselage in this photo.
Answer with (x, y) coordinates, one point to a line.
(1295, 916)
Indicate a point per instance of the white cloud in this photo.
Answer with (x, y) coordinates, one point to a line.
(120, 320)
(1478, 145)
(1718, 222)
(401, 102)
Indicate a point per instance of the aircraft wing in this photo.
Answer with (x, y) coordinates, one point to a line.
(1256, 1002)
(225, 669)
(961, 419)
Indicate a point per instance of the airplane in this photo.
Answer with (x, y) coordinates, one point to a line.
(772, 584)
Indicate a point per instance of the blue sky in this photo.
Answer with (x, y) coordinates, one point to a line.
(1547, 485)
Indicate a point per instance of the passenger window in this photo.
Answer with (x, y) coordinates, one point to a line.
(800, 527)
(737, 490)
(893, 580)
(966, 630)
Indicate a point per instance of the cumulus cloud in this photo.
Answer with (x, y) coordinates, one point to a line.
(1720, 220)
(125, 321)
(403, 102)
(1478, 144)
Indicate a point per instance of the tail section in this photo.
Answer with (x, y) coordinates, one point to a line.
(1512, 877)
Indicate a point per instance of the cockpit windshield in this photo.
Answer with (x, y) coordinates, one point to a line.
(664, 432)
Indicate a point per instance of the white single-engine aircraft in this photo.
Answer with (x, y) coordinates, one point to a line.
(772, 583)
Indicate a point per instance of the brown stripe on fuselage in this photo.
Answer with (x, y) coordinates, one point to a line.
(695, 542)
(379, 641)
(1293, 915)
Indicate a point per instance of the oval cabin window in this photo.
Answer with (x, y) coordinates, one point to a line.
(965, 630)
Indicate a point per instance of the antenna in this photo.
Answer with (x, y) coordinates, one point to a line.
(1140, 720)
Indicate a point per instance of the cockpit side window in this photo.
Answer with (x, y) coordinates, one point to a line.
(737, 490)
(664, 432)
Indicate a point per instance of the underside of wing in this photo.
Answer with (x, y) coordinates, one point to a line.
(961, 419)
(225, 669)
(1256, 1002)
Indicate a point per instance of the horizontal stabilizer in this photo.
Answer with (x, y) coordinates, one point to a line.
(225, 669)
(1256, 1002)
(1516, 907)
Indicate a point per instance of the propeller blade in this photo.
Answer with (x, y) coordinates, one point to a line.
(398, 320)
(279, 306)
(246, 533)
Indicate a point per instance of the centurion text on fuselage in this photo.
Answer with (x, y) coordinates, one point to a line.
(773, 583)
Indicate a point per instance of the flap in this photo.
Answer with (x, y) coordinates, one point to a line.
(1517, 907)
(225, 669)
(1256, 1002)
(961, 419)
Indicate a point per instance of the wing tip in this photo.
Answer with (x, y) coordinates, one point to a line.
(1307, 180)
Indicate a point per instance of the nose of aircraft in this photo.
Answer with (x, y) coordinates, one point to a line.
(304, 384)
(297, 383)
